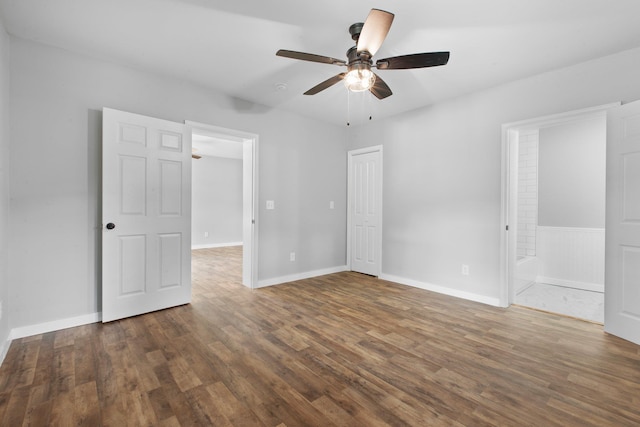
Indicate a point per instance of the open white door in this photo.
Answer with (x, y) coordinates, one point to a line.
(622, 265)
(365, 210)
(146, 214)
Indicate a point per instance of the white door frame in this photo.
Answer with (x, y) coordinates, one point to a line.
(378, 247)
(249, 193)
(509, 202)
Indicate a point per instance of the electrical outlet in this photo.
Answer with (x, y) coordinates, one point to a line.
(206, 234)
(271, 204)
(465, 270)
(292, 256)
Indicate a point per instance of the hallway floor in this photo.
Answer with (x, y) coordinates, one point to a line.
(578, 303)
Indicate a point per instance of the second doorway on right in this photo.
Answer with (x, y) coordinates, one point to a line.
(561, 218)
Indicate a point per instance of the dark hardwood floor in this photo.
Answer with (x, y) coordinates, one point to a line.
(338, 350)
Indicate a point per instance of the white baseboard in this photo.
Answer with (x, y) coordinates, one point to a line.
(56, 325)
(216, 245)
(300, 276)
(593, 287)
(442, 290)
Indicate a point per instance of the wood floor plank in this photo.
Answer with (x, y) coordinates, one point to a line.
(160, 404)
(16, 407)
(38, 406)
(84, 361)
(334, 412)
(232, 409)
(86, 405)
(206, 408)
(338, 350)
(63, 410)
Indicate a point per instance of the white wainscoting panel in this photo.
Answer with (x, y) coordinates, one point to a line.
(571, 257)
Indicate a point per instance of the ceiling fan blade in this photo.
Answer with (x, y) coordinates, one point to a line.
(416, 60)
(309, 57)
(325, 84)
(374, 31)
(380, 89)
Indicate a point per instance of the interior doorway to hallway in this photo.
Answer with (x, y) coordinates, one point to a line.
(235, 152)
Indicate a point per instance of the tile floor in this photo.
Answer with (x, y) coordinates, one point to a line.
(586, 305)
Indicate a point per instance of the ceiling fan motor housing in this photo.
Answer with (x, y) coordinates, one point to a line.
(355, 61)
(355, 30)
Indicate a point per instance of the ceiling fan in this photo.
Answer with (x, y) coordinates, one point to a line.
(368, 37)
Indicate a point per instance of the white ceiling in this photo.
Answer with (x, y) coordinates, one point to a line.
(230, 45)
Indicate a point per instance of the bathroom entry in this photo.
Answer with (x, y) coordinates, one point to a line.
(557, 204)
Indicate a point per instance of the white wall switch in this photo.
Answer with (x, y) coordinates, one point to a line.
(465, 270)
(271, 204)
(332, 205)
(292, 256)
(206, 234)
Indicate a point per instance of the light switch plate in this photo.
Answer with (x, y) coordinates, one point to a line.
(271, 204)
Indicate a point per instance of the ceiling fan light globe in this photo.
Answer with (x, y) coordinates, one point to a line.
(359, 80)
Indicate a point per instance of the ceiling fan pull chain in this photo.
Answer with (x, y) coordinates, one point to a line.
(348, 108)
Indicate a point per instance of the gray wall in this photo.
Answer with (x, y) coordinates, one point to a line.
(4, 186)
(442, 169)
(572, 174)
(216, 200)
(56, 101)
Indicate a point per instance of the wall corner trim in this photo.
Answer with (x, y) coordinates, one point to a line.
(445, 290)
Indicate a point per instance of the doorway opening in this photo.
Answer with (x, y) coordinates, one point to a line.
(223, 206)
(553, 213)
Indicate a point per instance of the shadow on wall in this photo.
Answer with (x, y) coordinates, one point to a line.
(242, 106)
(94, 190)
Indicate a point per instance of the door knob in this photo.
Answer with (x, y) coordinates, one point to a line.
(111, 226)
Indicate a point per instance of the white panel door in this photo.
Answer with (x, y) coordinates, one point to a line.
(622, 264)
(365, 208)
(146, 214)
